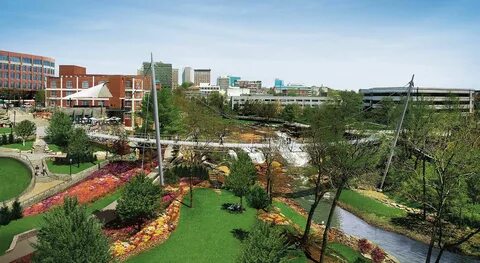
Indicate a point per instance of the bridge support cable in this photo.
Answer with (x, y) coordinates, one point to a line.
(397, 133)
(157, 123)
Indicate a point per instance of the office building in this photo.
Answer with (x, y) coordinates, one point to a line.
(436, 98)
(187, 75)
(127, 92)
(301, 90)
(223, 82)
(233, 81)
(174, 78)
(163, 73)
(201, 76)
(302, 101)
(255, 86)
(24, 72)
(278, 83)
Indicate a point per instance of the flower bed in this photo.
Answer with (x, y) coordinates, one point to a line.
(153, 233)
(96, 185)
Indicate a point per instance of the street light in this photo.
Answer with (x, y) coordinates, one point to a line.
(70, 167)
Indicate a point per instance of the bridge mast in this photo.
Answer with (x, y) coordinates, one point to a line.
(157, 123)
(397, 133)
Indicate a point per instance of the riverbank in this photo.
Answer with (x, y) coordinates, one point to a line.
(382, 216)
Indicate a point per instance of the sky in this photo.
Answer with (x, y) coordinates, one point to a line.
(343, 44)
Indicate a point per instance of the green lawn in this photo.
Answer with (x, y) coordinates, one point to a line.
(367, 205)
(65, 168)
(28, 146)
(21, 225)
(6, 130)
(54, 147)
(203, 232)
(291, 214)
(344, 251)
(14, 177)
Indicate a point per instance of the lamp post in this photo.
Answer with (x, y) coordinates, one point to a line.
(70, 167)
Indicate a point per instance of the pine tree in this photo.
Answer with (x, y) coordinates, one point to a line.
(4, 215)
(17, 210)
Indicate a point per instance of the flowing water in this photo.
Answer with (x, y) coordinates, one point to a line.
(405, 249)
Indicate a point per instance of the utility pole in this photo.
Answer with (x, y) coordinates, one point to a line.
(397, 133)
(157, 124)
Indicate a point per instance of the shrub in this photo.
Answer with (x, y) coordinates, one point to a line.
(377, 255)
(257, 197)
(364, 246)
(16, 212)
(170, 177)
(4, 139)
(4, 215)
(11, 139)
(362, 260)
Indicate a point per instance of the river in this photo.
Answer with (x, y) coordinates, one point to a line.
(405, 249)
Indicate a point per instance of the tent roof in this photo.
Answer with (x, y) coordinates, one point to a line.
(98, 91)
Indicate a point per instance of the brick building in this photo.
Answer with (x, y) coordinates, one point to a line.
(127, 92)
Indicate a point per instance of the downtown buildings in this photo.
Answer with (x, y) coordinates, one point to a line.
(201, 76)
(163, 73)
(23, 74)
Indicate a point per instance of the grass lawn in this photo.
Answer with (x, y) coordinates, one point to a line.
(291, 214)
(15, 177)
(65, 168)
(28, 146)
(6, 130)
(21, 225)
(344, 251)
(367, 205)
(54, 147)
(203, 233)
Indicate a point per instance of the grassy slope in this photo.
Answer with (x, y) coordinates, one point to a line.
(367, 205)
(65, 168)
(28, 145)
(345, 252)
(18, 226)
(14, 177)
(204, 232)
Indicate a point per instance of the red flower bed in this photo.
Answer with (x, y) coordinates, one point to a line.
(98, 184)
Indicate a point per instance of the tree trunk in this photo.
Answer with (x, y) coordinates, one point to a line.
(424, 191)
(241, 202)
(191, 191)
(23, 141)
(311, 212)
(329, 221)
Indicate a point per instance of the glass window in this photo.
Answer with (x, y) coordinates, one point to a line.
(5, 66)
(27, 60)
(69, 84)
(14, 59)
(53, 85)
(12, 67)
(17, 67)
(12, 75)
(85, 84)
(84, 102)
(128, 84)
(17, 76)
(37, 61)
(24, 68)
(3, 58)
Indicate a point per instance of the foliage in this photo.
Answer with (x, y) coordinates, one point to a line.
(79, 148)
(40, 97)
(67, 229)
(168, 115)
(257, 197)
(170, 177)
(120, 146)
(11, 139)
(182, 171)
(217, 101)
(17, 210)
(59, 128)
(4, 215)
(139, 200)
(291, 112)
(377, 255)
(242, 176)
(4, 139)
(186, 85)
(25, 129)
(264, 244)
(364, 246)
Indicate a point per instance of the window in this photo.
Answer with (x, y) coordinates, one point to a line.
(53, 93)
(101, 103)
(17, 76)
(24, 68)
(12, 67)
(53, 85)
(27, 60)
(84, 102)
(15, 59)
(18, 67)
(128, 84)
(5, 66)
(37, 61)
(69, 84)
(3, 58)
(85, 84)
(12, 75)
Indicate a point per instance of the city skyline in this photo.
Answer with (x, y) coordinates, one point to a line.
(343, 45)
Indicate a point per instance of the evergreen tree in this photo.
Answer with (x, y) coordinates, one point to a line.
(4, 215)
(17, 210)
(70, 234)
(242, 177)
(59, 129)
(79, 148)
(257, 197)
(265, 244)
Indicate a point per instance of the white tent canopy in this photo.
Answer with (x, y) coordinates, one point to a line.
(96, 92)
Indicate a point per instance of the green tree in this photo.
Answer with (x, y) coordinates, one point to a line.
(186, 85)
(168, 114)
(59, 128)
(242, 176)
(79, 148)
(25, 129)
(217, 101)
(257, 197)
(4, 215)
(40, 97)
(70, 234)
(265, 244)
(139, 200)
(17, 211)
(291, 112)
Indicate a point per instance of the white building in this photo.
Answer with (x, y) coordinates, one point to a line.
(187, 75)
(302, 101)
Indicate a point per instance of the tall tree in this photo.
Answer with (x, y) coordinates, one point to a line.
(70, 234)
(168, 114)
(139, 200)
(242, 176)
(120, 146)
(291, 112)
(40, 97)
(59, 128)
(79, 148)
(25, 129)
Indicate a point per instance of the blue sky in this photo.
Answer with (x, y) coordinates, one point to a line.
(342, 44)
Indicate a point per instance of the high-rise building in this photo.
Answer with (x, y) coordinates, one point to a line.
(174, 78)
(201, 76)
(233, 81)
(24, 72)
(187, 75)
(163, 73)
(223, 82)
(255, 86)
(278, 83)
